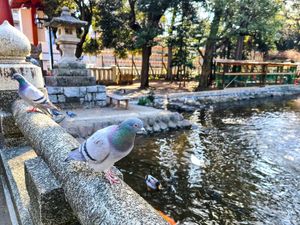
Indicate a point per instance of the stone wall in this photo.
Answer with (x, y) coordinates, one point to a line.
(157, 121)
(95, 95)
(191, 101)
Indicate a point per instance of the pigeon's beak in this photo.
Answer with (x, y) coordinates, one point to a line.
(142, 131)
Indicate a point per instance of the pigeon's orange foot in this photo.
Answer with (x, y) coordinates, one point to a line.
(111, 177)
(32, 110)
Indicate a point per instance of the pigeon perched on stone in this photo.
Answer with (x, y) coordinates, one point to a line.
(35, 97)
(107, 146)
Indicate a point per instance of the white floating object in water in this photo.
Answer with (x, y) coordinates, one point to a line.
(289, 157)
(196, 161)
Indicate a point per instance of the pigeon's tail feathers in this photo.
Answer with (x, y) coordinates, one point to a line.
(75, 155)
(52, 109)
(49, 105)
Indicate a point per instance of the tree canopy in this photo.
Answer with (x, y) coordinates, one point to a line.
(209, 28)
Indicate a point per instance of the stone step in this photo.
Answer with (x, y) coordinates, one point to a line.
(12, 169)
(7, 211)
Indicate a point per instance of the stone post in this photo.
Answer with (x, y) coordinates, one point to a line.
(92, 199)
(47, 200)
(14, 47)
(114, 74)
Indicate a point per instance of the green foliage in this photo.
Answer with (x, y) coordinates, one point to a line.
(53, 8)
(92, 45)
(148, 100)
(81, 9)
(143, 101)
(289, 35)
(130, 25)
(182, 33)
(151, 96)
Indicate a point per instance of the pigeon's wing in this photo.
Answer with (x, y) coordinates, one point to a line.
(75, 155)
(32, 94)
(36, 97)
(97, 148)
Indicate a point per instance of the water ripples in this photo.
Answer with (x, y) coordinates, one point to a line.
(238, 165)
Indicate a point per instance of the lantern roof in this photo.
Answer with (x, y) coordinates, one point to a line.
(66, 19)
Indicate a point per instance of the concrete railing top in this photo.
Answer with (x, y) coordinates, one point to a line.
(92, 199)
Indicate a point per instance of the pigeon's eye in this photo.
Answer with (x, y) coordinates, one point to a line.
(135, 125)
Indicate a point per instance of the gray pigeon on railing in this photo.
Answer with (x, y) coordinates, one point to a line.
(34, 97)
(107, 146)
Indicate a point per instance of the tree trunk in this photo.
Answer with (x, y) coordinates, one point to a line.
(146, 53)
(228, 50)
(170, 47)
(239, 48)
(79, 48)
(209, 51)
(169, 66)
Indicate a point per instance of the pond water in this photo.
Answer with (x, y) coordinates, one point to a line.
(239, 165)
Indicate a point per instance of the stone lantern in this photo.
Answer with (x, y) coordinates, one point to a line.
(68, 71)
(71, 84)
(66, 35)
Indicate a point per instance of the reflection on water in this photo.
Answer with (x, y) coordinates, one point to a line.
(240, 165)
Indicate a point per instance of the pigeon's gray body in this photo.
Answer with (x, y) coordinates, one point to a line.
(108, 145)
(34, 96)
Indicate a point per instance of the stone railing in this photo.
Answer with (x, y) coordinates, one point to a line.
(121, 75)
(113, 75)
(91, 199)
(104, 75)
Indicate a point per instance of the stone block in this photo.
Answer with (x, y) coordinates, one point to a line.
(47, 201)
(163, 126)
(101, 88)
(7, 98)
(53, 98)
(81, 100)
(73, 100)
(156, 127)
(101, 103)
(61, 98)
(100, 97)
(70, 81)
(50, 81)
(54, 90)
(172, 125)
(88, 97)
(92, 89)
(68, 65)
(8, 127)
(82, 91)
(71, 72)
(71, 92)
